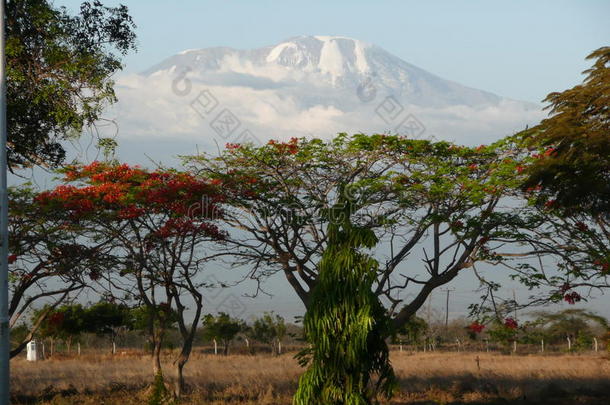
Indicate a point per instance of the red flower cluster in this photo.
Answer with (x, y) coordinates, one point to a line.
(56, 318)
(183, 226)
(550, 204)
(121, 192)
(511, 323)
(12, 259)
(457, 224)
(291, 147)
(572, 298)
(232, 146)
(476, 327)
(605, 266)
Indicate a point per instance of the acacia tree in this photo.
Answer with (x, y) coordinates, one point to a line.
(49, 260)
(159, 223)
(59, 69)
(434, 197)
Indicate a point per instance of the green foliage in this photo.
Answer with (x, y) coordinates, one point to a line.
(412, 331)
(106, 317)
(269, 328)
(574, 168)
(499, 332)
(18, 334)
(159, 394)
(346, 325)
(162, 316)
(577, 324)
(222, 328)
(59, 69)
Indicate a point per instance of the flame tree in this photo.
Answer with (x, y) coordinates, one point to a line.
(159, 223)
(48, 261)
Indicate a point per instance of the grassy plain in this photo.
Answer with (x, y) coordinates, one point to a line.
(425, 378)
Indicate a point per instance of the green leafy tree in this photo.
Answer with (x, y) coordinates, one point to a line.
(348, 324)
(437, 200)
(413, 331)
(576, 324)
(108, 318)
(222, 328)
(573, 169)
(269, 329)
(59, 69)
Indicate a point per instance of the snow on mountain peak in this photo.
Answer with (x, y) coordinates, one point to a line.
(312, 85)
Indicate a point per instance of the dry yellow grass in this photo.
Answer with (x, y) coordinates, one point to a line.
(263, 379)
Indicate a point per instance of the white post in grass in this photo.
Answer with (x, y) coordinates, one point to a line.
(5, 342)
(215, 347)
(569, 344)
(514, 346)
(542, 346)
(595, 344)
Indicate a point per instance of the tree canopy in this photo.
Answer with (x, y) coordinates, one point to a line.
(574, 167)
(59, 69)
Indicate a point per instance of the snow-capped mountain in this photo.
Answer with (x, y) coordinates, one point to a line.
(334, 62)
(306, 86)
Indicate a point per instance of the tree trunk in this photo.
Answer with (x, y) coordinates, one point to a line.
(185, 353)
(156, 354)
(225, 350)
(179, 378)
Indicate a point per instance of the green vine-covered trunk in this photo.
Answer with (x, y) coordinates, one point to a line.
(346, 324)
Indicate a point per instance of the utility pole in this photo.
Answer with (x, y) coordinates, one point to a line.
(515, 303)
(5, 344)
(447, 290)
(429, 308)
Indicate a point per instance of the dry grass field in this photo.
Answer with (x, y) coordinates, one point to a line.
(425, 378)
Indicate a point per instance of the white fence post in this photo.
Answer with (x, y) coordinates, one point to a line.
(569, 344)
(595, 344)
(514, 346)
(215, 347)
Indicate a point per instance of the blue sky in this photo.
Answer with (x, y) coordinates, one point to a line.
(518, 49)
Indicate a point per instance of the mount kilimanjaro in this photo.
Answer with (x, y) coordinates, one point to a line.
(305, 86)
